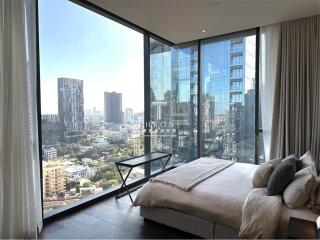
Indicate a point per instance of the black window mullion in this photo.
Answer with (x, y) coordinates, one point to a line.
(257, 100)
(199, 127)
(147, 103)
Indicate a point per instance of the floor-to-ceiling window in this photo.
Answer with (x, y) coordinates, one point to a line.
(173, 96)
(228, 97)
(92, 101)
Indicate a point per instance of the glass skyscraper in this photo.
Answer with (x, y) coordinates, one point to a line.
(70, 108)
(173, 81)
(228, 98)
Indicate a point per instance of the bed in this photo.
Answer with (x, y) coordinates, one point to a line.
(212, 209)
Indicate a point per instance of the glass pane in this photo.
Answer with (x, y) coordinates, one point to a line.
(228, 98)
(173, 82)
(92, 101)
(261, 156)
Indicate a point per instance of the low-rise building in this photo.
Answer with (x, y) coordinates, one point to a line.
(79, 171)
(54, 181)
(50, 153)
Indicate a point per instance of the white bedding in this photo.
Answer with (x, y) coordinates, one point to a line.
(218, 199)
(193, 173)
(260, 215)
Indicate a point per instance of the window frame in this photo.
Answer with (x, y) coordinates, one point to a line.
(65, 210)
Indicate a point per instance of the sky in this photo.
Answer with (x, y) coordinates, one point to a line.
(78, 43)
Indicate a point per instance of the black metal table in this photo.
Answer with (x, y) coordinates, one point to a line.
(138, 161)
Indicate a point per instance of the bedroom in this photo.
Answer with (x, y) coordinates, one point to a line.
(159, 119)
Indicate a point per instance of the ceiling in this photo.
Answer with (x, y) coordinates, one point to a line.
(183, 20)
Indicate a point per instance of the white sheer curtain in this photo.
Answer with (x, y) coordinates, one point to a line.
(269, 72)
(20, 198)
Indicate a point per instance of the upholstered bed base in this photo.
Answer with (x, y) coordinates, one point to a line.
(187, 223)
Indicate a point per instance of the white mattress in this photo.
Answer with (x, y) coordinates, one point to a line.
(218, 199)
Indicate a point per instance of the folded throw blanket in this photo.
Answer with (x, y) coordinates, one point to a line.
(260, 215)
(189, 175)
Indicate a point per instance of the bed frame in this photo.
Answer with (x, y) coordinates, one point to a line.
(188, 223)
(210, 230)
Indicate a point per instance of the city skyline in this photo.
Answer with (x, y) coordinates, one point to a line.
(110, 64)
(63, 80)
(92, 108)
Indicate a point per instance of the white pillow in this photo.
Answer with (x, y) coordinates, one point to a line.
(306, 171)
(261, 175)
(307, 160)
(298, 192)
(274, 162)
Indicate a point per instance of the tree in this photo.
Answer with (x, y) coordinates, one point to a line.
(70, 185)
(86, 184)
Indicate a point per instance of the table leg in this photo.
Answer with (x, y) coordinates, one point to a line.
(164, 165)
(124, 183)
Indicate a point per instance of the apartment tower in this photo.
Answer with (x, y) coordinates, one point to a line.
(70, 108)
(112, 107)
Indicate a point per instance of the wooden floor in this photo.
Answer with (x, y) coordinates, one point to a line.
(108, 219)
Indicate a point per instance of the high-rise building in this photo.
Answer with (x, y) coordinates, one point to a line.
(249, 125)
(234, 131)
(136, 141)
(50, 128)
(173, 80)
(128, 115)
(70, 108)
(228, 67)
(184, 82)
(112, 107)
(207, 103)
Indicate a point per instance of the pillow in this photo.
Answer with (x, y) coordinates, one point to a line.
(298, 191)
(282, 175)
(298, 161)
(314, 196)
(261, 175)
(306, 171)
(314, 203)
(292, 156)
(298, 165)
(274, 162)
(307, 160)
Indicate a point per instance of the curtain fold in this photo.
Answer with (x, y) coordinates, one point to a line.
(296, 118)
(268, 74)
(21, 215)
(1, 109)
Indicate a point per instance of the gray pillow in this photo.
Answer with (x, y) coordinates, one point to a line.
(281, 176)
(290, 157)
(298, 161)
(298, 165)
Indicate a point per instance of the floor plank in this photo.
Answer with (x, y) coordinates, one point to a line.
(109, 219)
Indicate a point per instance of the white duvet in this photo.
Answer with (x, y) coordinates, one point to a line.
(261, 215)
(218, 199)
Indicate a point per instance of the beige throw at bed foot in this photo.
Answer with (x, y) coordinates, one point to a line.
(189, 175)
